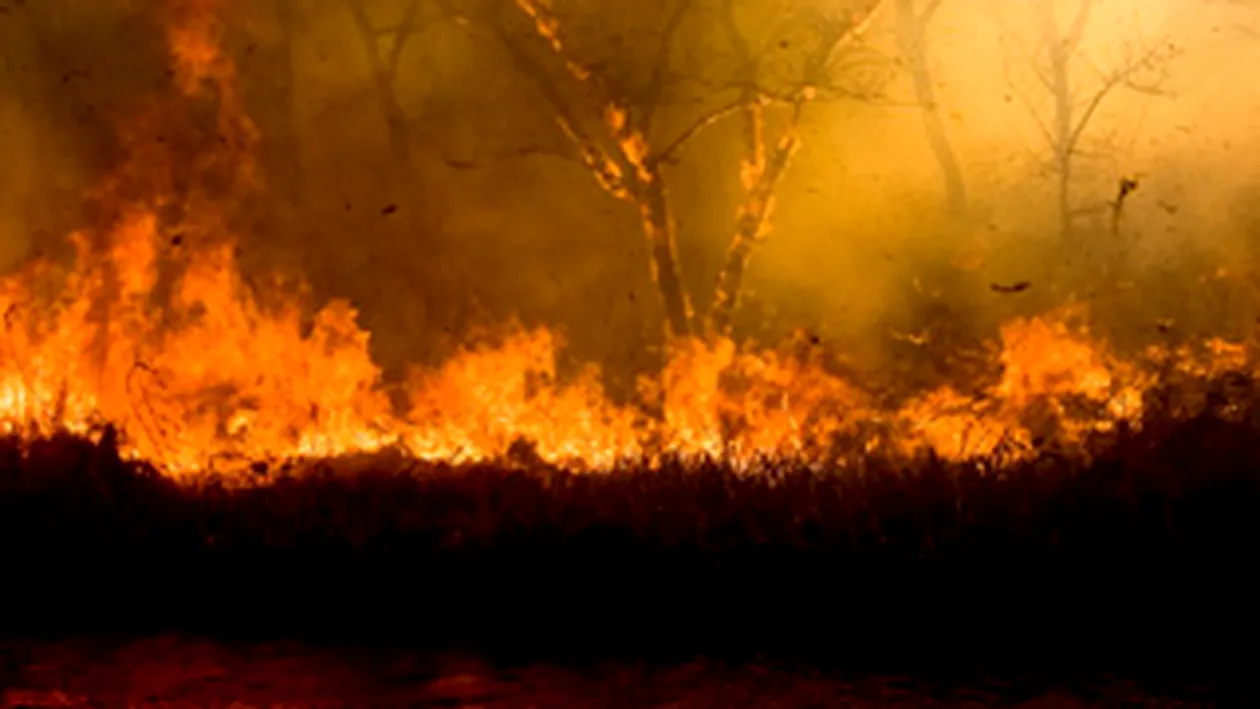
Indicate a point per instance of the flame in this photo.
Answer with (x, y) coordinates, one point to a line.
(218, 381)
(172, 348)
(481, 402)
(1056, 383)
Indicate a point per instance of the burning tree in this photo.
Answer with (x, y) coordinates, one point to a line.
(1075, 85)
(610, 98)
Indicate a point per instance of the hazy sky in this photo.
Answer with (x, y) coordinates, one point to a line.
(866, 190)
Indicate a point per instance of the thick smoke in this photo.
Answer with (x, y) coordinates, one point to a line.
(427, 180)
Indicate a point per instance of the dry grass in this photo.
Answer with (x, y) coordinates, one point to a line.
(1142, 556)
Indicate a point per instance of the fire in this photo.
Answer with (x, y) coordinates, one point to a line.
(193, 36)
(158, 336)
(217, 381)
(1056, 383)
(481, 402)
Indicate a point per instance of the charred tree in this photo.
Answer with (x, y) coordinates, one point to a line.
(913, 23)
(767, 160)
(762, 172)
(613, 146)
(610, 122)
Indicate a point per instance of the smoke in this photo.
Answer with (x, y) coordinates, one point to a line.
(426, 180)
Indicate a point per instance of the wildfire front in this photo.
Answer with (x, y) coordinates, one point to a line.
(346, 335)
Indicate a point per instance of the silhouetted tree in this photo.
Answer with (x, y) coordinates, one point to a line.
(384, 46)
(1061, 71)
(913, 22)
(387, 43)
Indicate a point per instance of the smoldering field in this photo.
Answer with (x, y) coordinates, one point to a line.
(953, 172)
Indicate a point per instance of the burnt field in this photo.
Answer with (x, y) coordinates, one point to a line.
(1142, 559)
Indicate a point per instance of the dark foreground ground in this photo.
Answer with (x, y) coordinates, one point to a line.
(191, 672)
(1141, 566)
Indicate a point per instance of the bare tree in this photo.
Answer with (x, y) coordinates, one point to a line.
(385, 45)
(1076, 87)
(610, 115)
(913, 22)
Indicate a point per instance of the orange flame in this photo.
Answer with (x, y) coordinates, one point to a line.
(1055, 383)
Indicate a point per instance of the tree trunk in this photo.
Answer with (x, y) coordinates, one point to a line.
(1061, 90)
(383, 78)
(659, 227)
(1064, 189)
(399, 132)
(912, 41)
(753, 224)
(731, 278)
(426, 290)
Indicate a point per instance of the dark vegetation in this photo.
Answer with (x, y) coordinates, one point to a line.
(1141, 560)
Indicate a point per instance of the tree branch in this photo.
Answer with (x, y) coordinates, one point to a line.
(1035, 67)
(748, 64)
(650, 98)
(1073, 38)
(1120, 77)
(928, 12)
(547, 26)
(385, 69)
(1018, 93)
(368, 33)
(608, 172)
(668, 153)
(405, 28)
